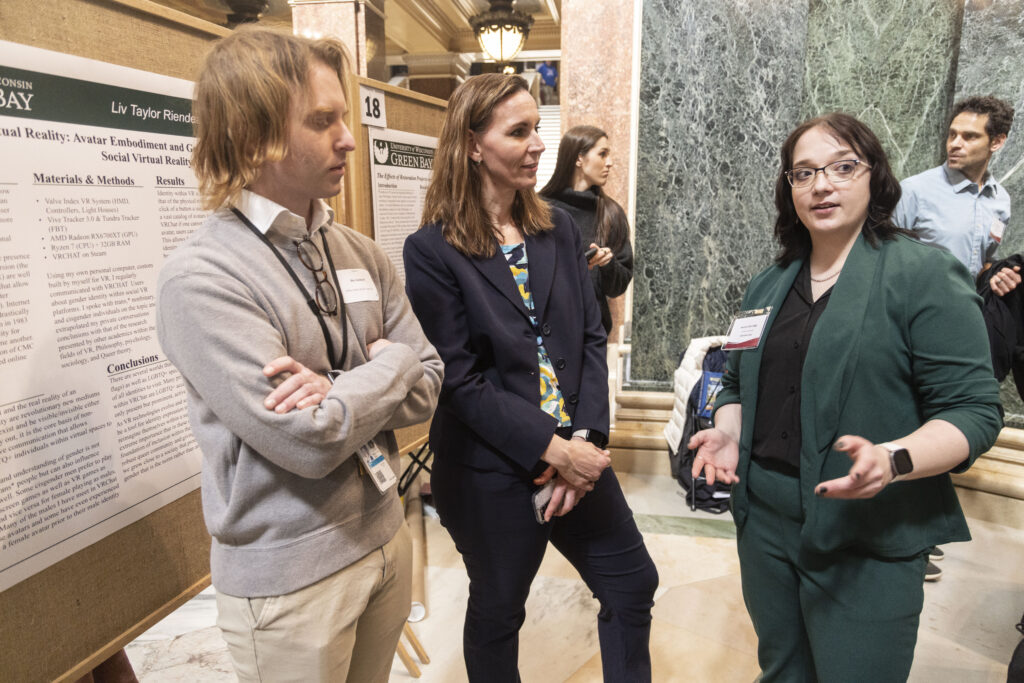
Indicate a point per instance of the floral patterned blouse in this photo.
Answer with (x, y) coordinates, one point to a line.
(550, 395)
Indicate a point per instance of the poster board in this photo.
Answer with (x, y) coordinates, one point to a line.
(61, 621)
(406, 111)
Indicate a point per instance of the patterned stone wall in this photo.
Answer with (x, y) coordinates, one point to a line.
(890, 64)
(723, 81)
(720, 86)
(991, 62)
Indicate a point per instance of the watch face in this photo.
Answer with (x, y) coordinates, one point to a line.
(901, 461)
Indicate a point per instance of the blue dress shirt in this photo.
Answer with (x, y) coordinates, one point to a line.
(952, 212)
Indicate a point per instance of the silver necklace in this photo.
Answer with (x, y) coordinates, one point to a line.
(826, 278)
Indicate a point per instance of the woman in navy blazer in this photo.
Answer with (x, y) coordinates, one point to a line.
(501, 288)
(871, 382)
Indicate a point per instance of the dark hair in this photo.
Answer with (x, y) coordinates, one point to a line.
(794, 240)
(455, 196)
(1000, 113)
(609, 219)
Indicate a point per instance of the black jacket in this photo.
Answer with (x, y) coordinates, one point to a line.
(611, 279)
(1004, 321)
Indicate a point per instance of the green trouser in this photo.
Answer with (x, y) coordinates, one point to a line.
(837, 617)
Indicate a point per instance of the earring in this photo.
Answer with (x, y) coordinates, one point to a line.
(476, 162)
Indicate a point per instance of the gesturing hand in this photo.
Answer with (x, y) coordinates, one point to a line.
(718, 454)
(299, 386)
(869, 474)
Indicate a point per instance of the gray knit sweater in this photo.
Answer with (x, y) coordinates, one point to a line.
(283, 496)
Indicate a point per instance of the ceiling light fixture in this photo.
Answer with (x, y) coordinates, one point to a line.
(501, 31)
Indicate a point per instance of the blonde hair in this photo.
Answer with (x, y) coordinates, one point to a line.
(242, 102)
(454, 196)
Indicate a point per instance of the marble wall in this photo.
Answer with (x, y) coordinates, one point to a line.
(991, 62)
(723, 81)
(890, 64)
(720, 85)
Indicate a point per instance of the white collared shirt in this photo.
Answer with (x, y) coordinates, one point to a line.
(266, 214)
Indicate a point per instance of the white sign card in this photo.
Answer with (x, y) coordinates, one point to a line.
(371, 103)
(400, 166)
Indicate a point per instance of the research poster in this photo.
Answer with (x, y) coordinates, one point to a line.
(400, 166)
(95, 190)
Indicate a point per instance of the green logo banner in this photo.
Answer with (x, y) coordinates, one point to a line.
(44, 97)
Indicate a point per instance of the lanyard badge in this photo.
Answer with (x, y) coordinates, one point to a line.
(376, 465)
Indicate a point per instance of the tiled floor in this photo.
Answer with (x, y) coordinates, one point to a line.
(701, 630)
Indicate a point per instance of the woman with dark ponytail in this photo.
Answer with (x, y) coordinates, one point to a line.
(584, 160)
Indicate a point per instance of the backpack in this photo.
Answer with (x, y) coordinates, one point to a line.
(699, 407)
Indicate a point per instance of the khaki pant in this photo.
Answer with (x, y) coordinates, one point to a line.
(344, 627)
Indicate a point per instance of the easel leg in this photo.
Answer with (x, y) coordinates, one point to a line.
(415, 642)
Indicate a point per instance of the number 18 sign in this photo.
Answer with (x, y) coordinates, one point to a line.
(371, 103)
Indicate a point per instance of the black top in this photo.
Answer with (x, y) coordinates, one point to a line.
(776, 440)
(611, 279)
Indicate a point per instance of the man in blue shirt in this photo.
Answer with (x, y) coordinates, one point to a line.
(960, 207)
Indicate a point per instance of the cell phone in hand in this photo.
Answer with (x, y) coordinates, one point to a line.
(541, 498)
(589, 253)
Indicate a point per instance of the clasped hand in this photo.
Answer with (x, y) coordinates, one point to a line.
(578, 461)
(298, 386)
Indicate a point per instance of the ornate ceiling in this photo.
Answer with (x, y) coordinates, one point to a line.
(411, 26)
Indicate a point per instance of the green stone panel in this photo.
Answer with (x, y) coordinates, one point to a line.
(719, 89)
(991, 62)
(890, 64)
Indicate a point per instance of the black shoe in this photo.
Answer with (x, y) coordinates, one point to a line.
(932, 572)
(935, 553)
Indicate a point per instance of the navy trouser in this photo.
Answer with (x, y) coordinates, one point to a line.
(490, 517)
(844, 616)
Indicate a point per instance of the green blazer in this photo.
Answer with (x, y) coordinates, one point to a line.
(901, 342)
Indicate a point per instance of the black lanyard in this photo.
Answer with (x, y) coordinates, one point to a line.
(310, 301)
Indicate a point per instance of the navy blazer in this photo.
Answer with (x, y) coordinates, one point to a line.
(489, 415)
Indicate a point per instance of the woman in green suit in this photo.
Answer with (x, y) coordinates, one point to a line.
(869, 382)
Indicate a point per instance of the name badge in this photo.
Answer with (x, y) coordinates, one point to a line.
(357, 285)
(376, 464)
(745, 331)
(998, 228)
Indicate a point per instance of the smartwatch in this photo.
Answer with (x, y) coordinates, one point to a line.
(899, 460)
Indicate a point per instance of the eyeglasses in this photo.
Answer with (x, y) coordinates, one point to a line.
(838, 172)
(326, 294)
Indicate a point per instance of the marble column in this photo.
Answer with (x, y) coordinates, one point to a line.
(720, 85)
(597, 78)
(597, 89)
(991, 55)
(359, 24)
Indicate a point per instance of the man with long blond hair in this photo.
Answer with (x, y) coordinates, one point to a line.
(300, 356)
